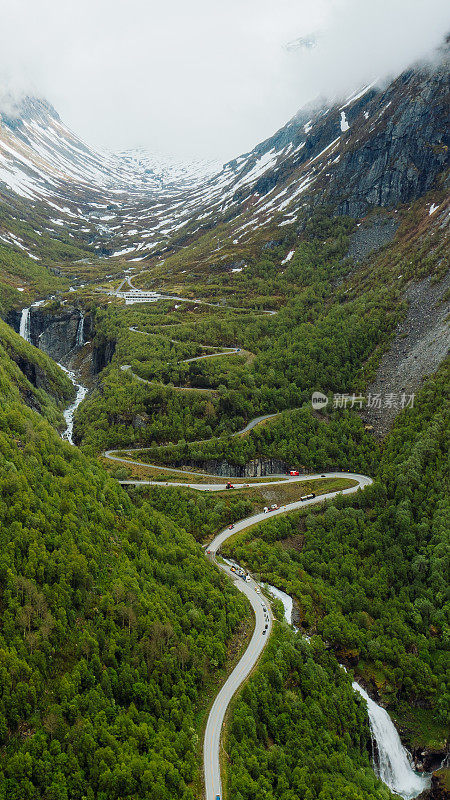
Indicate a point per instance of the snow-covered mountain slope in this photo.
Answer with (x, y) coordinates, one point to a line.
(375, 147)
(84, 189)
(40, 156)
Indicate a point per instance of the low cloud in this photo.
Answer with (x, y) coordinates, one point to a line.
(203, 78)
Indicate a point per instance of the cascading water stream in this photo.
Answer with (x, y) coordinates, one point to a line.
(287, 601)
(393, 766)
(390, 759)
(80, 331)
(24, 327)
(69, 413)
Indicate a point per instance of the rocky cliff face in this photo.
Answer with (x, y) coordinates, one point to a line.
(379, 147)
(397, 153)
(39, 378)
(440, 785)
(102, 353)
(55, 333)
(13, 319)
(258, 467)
(387, 147)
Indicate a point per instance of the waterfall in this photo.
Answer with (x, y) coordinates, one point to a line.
(24, 327)
(80, 331)
(25, 320)
(24, 331)
(393, 766)
(70, 411)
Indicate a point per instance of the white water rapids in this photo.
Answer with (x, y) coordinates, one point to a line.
(24, 331)
(69, 413)
(286, 599)
(393, 766)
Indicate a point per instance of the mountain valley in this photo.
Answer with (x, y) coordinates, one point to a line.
(182, 318)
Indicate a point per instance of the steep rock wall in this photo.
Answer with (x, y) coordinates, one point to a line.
(258, 467)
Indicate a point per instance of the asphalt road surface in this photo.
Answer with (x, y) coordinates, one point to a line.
(110, 453)
(211, 745)
(259, 603)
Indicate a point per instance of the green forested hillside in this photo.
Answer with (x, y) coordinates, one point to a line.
(323, 336)
(370, 575)
(29, 376)
(118, 625)
(298, 730)
(114, 629)
(112, 624)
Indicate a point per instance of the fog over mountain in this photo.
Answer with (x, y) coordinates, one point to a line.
(204, 79)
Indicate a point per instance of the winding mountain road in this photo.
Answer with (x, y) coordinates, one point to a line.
(249, 587)
(127, 368)
(109, 454)
(259, 603)
(141, 295)
(263, 626)
(223, 351)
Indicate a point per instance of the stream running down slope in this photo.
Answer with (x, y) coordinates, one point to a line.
(69, 413)
(391, 764)
(81, 391)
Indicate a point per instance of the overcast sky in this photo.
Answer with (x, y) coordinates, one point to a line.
(202, 77)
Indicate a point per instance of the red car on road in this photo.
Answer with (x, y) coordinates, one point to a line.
(293, 472)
